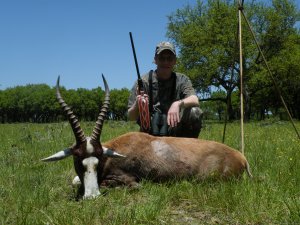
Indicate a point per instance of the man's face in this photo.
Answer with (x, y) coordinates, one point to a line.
(165, 62)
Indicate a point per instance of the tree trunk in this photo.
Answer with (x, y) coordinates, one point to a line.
(230, 111)
(247, 105)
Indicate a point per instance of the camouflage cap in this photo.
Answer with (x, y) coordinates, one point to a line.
(165, 46)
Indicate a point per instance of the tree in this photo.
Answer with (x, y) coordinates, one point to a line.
(118, 103)
(286, 69)
(280, 43)
(206, 36)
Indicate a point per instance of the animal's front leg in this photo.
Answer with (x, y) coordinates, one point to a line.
(76, 183)
(120, 180)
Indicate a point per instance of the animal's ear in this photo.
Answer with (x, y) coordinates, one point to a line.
(58, 156)
(111, 153)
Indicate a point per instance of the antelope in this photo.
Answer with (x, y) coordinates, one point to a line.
(129, 158)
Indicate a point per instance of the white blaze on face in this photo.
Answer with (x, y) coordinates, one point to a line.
(91, 187)
(89, 147)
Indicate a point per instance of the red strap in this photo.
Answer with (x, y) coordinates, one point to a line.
(143, 103)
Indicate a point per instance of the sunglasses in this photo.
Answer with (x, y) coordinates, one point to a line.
(169, 58)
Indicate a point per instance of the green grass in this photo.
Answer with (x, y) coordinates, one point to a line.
(33, 192)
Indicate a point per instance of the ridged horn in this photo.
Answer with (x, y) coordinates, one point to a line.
(99, 123)
(79, 135)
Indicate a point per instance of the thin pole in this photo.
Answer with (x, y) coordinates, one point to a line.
(241, 80)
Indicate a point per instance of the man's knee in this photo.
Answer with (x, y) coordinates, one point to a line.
(192, 115)
(190, 123)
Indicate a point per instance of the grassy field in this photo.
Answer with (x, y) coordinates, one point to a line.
(33, 192)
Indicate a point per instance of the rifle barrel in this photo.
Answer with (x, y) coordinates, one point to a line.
(134, 54)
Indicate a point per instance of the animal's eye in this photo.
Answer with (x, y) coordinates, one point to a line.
(77, 152)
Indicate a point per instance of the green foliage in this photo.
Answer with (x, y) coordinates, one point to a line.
(33, 192)
(118, 103)
(28, 103)
(37, 103)
(207, 38)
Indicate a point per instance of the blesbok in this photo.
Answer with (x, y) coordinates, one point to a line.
(127, 159)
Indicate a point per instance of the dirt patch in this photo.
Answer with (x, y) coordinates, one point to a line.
(190, 213)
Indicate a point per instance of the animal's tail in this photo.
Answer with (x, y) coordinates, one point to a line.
(248, 170)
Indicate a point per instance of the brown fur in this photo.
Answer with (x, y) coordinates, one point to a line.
(163, 158)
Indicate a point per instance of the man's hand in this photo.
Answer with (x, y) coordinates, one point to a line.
(173, 114)
(133, 112)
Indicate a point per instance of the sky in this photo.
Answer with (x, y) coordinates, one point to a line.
(79, 40)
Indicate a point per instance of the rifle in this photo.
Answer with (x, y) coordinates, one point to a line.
(140, 82)
(142, 99)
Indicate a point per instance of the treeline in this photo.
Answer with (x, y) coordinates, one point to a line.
(268, 107)
(38, 104)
